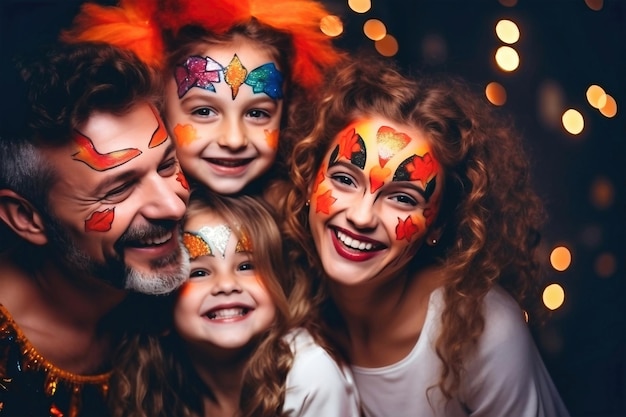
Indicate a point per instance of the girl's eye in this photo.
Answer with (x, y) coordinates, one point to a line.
(203, 112)
(258, 114)
(246, 266)
(197, 273)
(343, 179)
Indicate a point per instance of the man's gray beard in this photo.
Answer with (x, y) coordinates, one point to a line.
(114, 270)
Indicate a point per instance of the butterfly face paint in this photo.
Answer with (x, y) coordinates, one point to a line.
(373, 199)
(224, 106)
(204, 72)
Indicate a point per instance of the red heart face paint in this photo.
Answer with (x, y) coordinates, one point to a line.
(373, 199)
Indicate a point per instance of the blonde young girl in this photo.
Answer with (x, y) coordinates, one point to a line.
(232, 350)
(232, 69)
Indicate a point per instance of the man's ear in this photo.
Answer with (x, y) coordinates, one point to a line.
(22, 217)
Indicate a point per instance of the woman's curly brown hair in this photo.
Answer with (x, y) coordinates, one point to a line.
(490, 213)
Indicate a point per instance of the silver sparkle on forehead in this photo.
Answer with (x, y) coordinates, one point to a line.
(216, 237)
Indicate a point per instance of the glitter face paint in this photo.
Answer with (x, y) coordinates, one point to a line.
(208, 241)
(203, 72)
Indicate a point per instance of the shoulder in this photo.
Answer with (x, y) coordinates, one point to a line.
(316, 383)
(506, 371)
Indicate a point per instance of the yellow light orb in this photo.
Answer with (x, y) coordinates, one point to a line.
(507, 31)
(594, 94)
(553, 296)
(507, 58)
(573, 121)
(360, 6)
(610, 107)
(387, 46)
(331, 26)
(496, 94)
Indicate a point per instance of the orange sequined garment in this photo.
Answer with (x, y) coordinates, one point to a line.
(32, 386)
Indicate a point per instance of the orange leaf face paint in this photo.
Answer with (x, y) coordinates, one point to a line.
(271, 136)
(100, 221)
(88, 154)
(160, 133)
(184, 135)
(180, 177)
(374, 197)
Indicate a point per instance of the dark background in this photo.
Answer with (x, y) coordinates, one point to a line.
(564, 44)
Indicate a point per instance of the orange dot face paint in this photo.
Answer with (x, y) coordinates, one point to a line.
(374, 197)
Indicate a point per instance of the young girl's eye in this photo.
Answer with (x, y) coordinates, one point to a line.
(203, 112)
(198, 273)
(246, 266)
(258, 114)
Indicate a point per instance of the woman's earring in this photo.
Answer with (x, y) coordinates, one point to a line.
(433, 242)
(308, 203)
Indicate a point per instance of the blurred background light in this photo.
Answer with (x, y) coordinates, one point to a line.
(331, 26)
(573, 121)
(507, 58)
(560, 258)
(387, 46)
(374, 29)
(360, 6)
(553, 296)
(507, 31)
(496, 94)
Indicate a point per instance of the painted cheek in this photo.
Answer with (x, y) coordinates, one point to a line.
(100, 221)
(271, 137)
(407, 228)
(184, 290)
(184, 135)
(319, 179)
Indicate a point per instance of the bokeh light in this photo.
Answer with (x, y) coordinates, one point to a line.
(550, 104)
(434, 50)
(387, 46)
(508, 3)
(560, 258)
(374, 29)
(507, 31)
(610, 108)
(596, 96)
(595, 5)
(605, 265)
(573, 121)
(507, 58)
(331, 26)
(602, 193)
(360, 6)
(553, 296)
(496, 94)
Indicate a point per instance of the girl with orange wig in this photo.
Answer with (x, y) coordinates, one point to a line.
(231, 70)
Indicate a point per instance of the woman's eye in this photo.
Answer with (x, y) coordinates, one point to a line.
(343, 179)
(404, 199)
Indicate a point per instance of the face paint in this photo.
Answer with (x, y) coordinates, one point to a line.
(184, 135)
(271, 136)
(373, 199)
(203, 72)
(160, 133)
(210, 240)
(180, 177)
(100, 221)
(88, 154)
